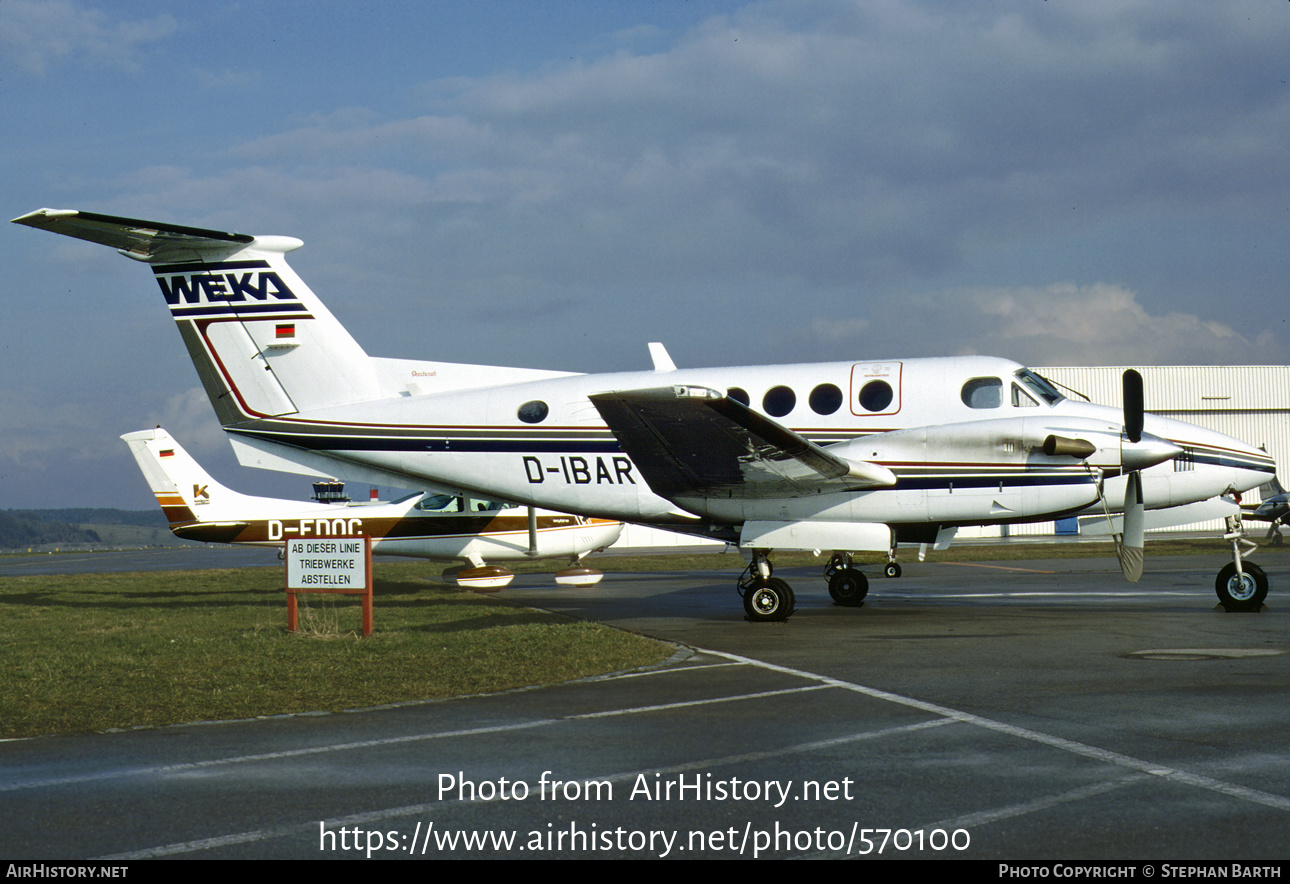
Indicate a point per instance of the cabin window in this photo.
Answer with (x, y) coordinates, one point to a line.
(533, 412)
(440, 503)
(1021, 399)
(739, 394)
(983, 393)
(779, 401)
(825, 399)
(875, 396)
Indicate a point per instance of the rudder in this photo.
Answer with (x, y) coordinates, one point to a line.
(184, 490)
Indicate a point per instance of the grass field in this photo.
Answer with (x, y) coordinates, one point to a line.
(84, 653)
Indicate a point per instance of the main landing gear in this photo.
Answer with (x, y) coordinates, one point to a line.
(767, 599)
(847, 584)
(1241, 585)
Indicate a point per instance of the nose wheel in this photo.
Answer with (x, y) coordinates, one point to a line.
(1241, 592)
(1241, 585)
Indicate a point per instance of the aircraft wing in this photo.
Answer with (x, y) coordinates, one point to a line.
(693, 441)
(145, 240)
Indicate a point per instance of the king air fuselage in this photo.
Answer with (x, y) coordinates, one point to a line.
(964, 440)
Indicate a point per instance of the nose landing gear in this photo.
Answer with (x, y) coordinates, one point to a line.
(1241, 585)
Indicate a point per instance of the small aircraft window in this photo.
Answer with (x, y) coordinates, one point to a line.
(826, 399)
(1021, 399)
(983, 393)
(778, 401)
(739, 394)
(440, 503)
(1040, 386)
(533, 412)
(875, 396)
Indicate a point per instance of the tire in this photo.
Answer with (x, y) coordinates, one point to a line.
(769, 601)
(1246, 594)
(892, 569)
(848, 587)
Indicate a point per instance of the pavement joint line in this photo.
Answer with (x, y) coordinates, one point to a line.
(1080, 793)
(998, 567)
(682, 704)
(985, 817)
(1279, 802)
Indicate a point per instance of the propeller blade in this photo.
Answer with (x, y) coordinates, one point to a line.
(1129, 545)
(1134, 405)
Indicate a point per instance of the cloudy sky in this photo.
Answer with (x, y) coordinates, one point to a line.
(556, 184)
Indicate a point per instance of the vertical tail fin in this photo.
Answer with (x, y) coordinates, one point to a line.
(263, 343)
(185, 491)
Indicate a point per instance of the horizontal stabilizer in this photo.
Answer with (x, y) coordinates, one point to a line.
(146, 240)
(691, 441)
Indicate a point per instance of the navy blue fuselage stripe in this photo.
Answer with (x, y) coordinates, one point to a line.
(217, 309)
(360, 443)
(159, 269)
(1238, 463)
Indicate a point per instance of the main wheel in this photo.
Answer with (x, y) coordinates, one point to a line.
(892, 569)
(848, 586)
(769, 601)
(1244, 593)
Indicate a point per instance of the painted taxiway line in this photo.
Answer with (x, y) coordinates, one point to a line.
(1279, 802)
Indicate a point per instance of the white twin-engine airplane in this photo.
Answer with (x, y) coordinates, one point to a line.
(442, 527)
(843, 457)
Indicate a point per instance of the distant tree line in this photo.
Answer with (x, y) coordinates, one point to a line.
(24, 528)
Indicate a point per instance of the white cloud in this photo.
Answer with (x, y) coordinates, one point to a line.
(1060, 324)
(189, 418)
(38, 34)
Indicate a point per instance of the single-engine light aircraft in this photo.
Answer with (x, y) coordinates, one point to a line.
(441, 527)
(841, 457)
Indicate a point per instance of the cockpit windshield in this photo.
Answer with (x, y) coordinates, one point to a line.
(1039, 386)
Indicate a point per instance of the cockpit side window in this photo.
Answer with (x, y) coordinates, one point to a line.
(983, 393)
(1022, 399)
(1040, 386)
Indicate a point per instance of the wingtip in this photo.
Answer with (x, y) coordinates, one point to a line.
(34, 219)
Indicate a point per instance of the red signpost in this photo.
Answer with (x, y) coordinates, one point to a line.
(338, 565)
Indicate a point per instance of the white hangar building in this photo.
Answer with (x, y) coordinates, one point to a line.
(1248, 402)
